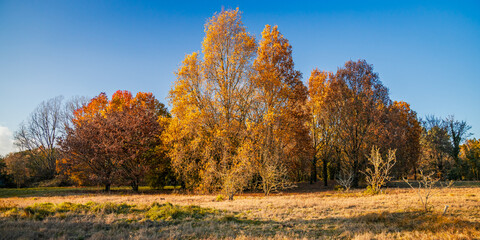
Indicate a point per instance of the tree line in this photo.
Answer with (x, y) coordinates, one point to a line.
(240, 118)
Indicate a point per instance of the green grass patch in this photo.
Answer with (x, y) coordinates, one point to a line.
(154, 212)
(169, 211)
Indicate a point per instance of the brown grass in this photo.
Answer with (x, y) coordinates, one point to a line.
(395, 214)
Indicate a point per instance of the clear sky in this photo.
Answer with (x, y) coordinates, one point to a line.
(426, 52)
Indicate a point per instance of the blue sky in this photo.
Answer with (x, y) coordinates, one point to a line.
(426, 52)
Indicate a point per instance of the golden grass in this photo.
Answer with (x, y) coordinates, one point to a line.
(396, 214)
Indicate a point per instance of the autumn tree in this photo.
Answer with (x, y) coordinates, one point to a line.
(114, 141)
(470, 152)
(86, 158)
(210, 101)
(5, 178)
(277, 113)
(402, 132)
(135, 120)
(69, 108)
(362, 98)
(17, 167)
(458, 132)
(324, 121)
(436, 147)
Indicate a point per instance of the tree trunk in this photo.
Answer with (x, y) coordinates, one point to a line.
(414, 172)
(135, 186)
(355, 174)
(325, 172)
(313, 172)
(107, 187)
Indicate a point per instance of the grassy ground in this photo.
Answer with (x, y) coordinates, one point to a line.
(87, 213)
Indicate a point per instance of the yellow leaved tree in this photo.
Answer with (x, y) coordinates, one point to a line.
(210, 104)
(278, 117)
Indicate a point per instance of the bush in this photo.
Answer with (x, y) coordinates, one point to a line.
(168, 211)
(370, 191)
(220, 198)
(378, 175)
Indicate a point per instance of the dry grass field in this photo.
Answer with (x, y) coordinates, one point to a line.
(66, 213)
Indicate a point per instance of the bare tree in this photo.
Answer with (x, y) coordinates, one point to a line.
(425, 188)
(41, 132)
(378, 175)
(436, 146)
(69, 108)
(345, 177)
(459, 132)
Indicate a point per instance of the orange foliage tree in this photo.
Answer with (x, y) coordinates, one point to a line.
(277, 128)
(113, 140)
(402, 132)
(352, 112)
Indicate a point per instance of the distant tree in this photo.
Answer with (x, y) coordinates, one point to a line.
(5, 178)
(69, 108)
(470, 152)
(16, 167)
(436, 146)
(40, 133)
(459, 132)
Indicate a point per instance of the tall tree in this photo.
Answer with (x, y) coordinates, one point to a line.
(363, 98)
(277, 114)
(323, 121)
(217, 92)
(402, 132)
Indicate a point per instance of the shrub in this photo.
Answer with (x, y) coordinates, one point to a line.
(168, 211)
(378, 175)
(425, 188)
(220, 198)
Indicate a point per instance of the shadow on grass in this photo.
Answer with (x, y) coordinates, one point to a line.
(70, 191)
(219, 224)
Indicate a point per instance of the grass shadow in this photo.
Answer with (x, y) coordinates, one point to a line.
(168, 221)
(71, 191)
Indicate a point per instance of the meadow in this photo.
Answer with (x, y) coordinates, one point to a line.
(89, 213)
